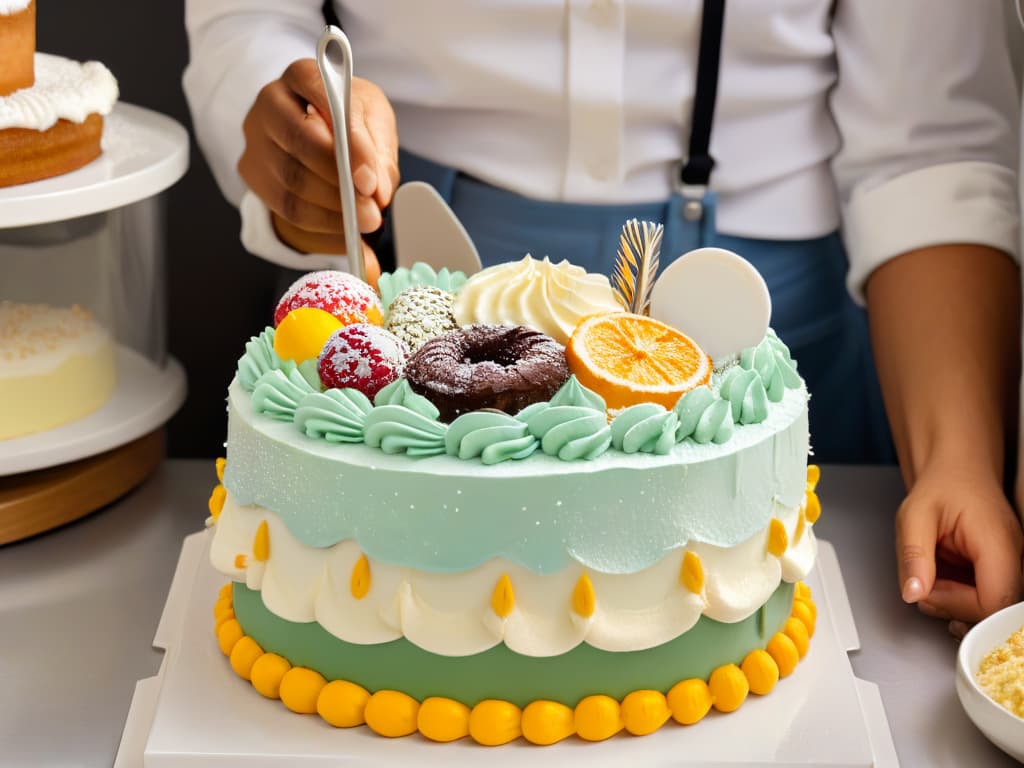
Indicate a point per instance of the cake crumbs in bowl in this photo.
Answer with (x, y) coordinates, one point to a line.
(1001, 674)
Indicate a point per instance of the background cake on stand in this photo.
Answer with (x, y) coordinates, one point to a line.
(51, 108)
(85, 378)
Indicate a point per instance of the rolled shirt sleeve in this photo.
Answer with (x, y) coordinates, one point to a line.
(235, 48)
(927, 109)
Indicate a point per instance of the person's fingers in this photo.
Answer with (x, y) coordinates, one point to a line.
(372, 265)
(953, 600)
(996, 554)
(302, 77)
(301, 213)
(362, 150)
(289, 172)
(297, 131)
(916, 534)
(382, 128)
(958, 629)
(318, 242)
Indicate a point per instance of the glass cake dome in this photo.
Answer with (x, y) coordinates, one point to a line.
(84, 369)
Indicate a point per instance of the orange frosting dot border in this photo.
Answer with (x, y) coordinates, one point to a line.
(493, 722)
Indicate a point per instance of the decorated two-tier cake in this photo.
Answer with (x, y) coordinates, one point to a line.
(513, 505)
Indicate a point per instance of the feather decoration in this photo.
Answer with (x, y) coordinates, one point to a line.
(636, 266)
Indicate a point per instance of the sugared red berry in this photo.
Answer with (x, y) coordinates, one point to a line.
(363, 357)
(343, 295)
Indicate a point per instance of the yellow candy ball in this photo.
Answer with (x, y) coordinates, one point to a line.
(226, 590)
(266, 674)
(493, 722)
(229, 633)
(300, 688)
(392, 713)
(303, 333)
(342, 704)
(547, 722)
(244, 655)
(689, 701)
(784, 652)
(597, 718)
(644, 712)
(221, 620)
(803, 613)
(442, 719)
(801, 591)
(795, 630)
(222, 607)
(728, 688)
(761, 671)
(807, 603)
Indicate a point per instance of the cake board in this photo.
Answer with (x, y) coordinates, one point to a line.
(196, 713)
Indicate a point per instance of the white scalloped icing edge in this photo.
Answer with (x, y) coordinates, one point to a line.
(451, 614)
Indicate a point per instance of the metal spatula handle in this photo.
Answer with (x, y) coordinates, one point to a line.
(334, 59)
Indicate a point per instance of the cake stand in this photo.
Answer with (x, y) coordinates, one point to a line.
(103, 227)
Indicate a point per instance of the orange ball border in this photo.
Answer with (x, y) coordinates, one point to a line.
(493, 722)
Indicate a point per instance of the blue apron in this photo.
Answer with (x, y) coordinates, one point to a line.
(811, 309)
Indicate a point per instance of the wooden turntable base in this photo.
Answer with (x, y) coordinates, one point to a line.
(34, 502)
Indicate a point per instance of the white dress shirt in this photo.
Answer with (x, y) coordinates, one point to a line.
(897, 119)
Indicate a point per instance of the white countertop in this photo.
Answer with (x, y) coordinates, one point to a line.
(79, 606)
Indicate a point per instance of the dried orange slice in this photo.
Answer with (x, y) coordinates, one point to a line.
(630, 359)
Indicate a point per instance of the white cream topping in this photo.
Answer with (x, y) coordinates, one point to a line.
(64, 90)
(549, 297)
(451, 614)
(36, 338)
(11, 7)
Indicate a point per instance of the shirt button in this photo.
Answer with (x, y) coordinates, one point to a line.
(693, 210)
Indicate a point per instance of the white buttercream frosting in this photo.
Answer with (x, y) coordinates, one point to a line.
(11, 7)
(451, 614)
(37, 338)
(540, 294)
(64, 90)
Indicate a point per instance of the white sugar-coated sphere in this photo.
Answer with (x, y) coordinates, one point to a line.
(717, 298)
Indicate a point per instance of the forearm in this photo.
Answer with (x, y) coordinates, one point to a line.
(945, 325)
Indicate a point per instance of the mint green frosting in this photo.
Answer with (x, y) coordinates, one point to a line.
(616, 514)
(745, 392)
(499, 673)
(337, 415)
(570, 432)
(399, 392)
(774, 365)
(703, 417)
(574, 393)
(278, 393)
(398, 429)
(259, 358)
(391, 284)
(491, 435)
(644, 428)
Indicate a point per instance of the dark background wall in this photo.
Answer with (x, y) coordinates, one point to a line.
(218, 295)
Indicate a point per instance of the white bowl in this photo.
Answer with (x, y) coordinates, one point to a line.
(1002, 727)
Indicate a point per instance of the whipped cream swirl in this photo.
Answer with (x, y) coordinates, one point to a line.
(64, 90)
(551, 298)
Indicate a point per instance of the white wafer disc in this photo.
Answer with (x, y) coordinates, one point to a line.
(715, 297)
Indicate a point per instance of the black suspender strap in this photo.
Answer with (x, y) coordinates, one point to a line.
(696, 171)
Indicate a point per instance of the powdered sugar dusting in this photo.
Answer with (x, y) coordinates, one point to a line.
(363, 357)
(343, 295)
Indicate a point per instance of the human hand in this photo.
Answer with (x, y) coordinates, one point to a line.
(288, 161)
(958, 546)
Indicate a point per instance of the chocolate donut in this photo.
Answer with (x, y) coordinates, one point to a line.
(487, 366)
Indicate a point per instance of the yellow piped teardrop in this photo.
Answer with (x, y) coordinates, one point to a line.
(801, 524)
(503, 599)
(220, 464)
(812, 506)
(777, 539)
(692, 573)
(813, 476)
(217, 498)
(583, 599)
(261, 543)
(360, 582)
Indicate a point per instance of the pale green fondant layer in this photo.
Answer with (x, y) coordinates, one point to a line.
(501, 674)
(619, 513)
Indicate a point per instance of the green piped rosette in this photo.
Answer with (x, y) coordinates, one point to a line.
(572, 426)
